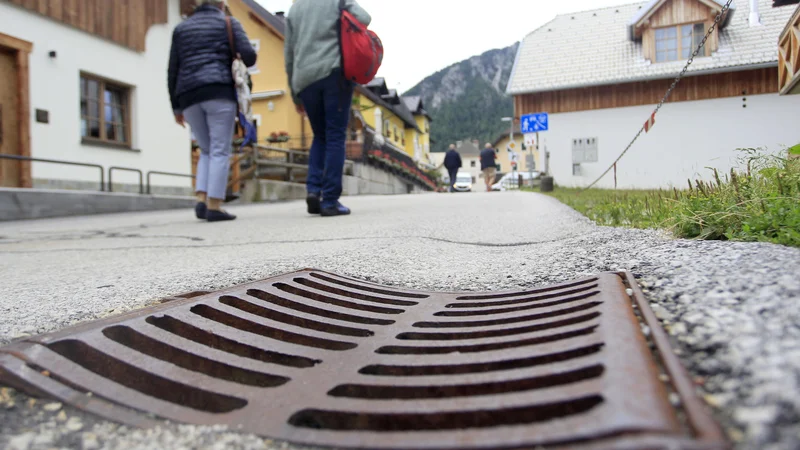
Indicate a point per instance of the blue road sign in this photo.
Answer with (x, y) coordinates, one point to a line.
(533, 123)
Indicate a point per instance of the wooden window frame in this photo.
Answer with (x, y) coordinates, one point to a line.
(126, 108)
(679, 41)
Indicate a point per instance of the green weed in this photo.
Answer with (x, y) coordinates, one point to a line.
(760, 202)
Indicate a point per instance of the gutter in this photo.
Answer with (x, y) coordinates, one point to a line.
(714, 71)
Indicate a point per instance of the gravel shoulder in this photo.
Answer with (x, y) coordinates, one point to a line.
(731, 308)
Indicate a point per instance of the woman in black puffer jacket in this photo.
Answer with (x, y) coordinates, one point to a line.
(203, 95)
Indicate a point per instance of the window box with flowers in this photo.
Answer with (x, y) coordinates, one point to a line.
(278, 137)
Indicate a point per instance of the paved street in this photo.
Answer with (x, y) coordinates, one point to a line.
(730, 307)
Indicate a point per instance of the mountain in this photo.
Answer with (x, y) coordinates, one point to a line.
(467, 99)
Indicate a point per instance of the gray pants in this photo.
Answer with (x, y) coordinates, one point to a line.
(212, 123)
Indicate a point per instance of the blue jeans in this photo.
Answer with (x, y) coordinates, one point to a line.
(212, 123)
(327, 103)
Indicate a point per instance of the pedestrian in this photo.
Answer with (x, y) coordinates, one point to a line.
(320, 90)
(203, 94)
(452, 162)
(489, 165)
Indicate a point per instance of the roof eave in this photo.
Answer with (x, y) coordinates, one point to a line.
(713, 71)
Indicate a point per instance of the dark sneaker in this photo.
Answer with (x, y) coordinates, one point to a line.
(313, 203)
(219, 216)
(338, 210)
(200, 210)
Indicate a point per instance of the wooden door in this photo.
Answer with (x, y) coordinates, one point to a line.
(10, 174)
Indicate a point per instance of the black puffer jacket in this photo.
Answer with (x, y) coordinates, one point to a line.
(200, 58)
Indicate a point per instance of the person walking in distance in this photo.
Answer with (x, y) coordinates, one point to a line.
(489, 166)
(203, 94)
(319, 88)
(452, 162)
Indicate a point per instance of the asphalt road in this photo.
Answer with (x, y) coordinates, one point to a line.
(730, 307)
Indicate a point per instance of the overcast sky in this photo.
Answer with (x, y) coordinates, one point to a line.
(421, 37)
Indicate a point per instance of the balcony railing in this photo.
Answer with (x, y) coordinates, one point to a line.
(789, 57)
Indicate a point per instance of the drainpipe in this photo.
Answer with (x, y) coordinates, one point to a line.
(755, 18)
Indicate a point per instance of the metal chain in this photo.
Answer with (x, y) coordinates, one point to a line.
(669, 91)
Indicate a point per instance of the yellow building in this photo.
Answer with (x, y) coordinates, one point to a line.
(273, 108)
(385, 111)
(504, 153)
(418, 143)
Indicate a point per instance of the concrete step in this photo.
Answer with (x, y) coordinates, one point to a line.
(25, 204)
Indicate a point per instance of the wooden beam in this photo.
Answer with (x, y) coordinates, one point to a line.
(24, 121)
(15, 44)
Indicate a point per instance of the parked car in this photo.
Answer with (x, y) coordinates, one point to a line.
(511, 181)
(463, 182)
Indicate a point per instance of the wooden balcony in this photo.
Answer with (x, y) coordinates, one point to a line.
(789, 57)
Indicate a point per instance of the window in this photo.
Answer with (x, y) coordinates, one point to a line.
(105, 111)
(256, 46)
(674, 43)
(387, 129)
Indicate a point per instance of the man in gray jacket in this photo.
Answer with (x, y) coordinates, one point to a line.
(313, 64)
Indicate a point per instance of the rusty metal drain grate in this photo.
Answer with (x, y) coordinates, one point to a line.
(319, 359)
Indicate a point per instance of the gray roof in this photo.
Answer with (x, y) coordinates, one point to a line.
(467, 148)
(592, 48)
(413, 102)
(415, 105)
(275, 21)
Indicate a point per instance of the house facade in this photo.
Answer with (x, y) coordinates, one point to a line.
(526, 153)
(418, 143)
(621, 62)
(85, 81)
(273, 108)
(390, 115)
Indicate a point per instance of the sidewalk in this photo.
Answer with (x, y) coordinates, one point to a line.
(730, 307)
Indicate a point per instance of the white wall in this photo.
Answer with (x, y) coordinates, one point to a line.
(55, 87)
(687, 138)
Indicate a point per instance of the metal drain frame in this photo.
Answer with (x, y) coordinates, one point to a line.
(19, 368)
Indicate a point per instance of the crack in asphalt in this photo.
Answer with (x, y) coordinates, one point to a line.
(300, 241)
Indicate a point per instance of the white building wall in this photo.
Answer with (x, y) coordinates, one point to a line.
(687, 138)
(160, 144)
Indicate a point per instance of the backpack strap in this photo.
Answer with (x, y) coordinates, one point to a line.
(231, 41)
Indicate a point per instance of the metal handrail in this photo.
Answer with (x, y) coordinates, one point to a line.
(168, 174)
(125, 169)
(67, 163)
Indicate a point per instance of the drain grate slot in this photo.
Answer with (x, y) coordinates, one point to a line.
(270, 332)
(510, 320)
(496, 333)
(193, 333)
(494, 366)
(145, 382)
(347, 421)
(323, 360)
(466, 390)
(489, 312)
(181, 358)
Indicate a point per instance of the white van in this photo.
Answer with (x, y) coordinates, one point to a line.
(463, 182)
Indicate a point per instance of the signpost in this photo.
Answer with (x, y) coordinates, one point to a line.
(534, 123)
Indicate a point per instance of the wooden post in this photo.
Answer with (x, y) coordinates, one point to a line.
(615, 175)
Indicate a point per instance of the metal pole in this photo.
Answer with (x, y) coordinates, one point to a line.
(530, 169)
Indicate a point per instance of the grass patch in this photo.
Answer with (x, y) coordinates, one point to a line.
(758, 203)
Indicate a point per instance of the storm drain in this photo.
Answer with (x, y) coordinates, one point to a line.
(319, 359)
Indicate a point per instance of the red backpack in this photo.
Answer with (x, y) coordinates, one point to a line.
(362, 49)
